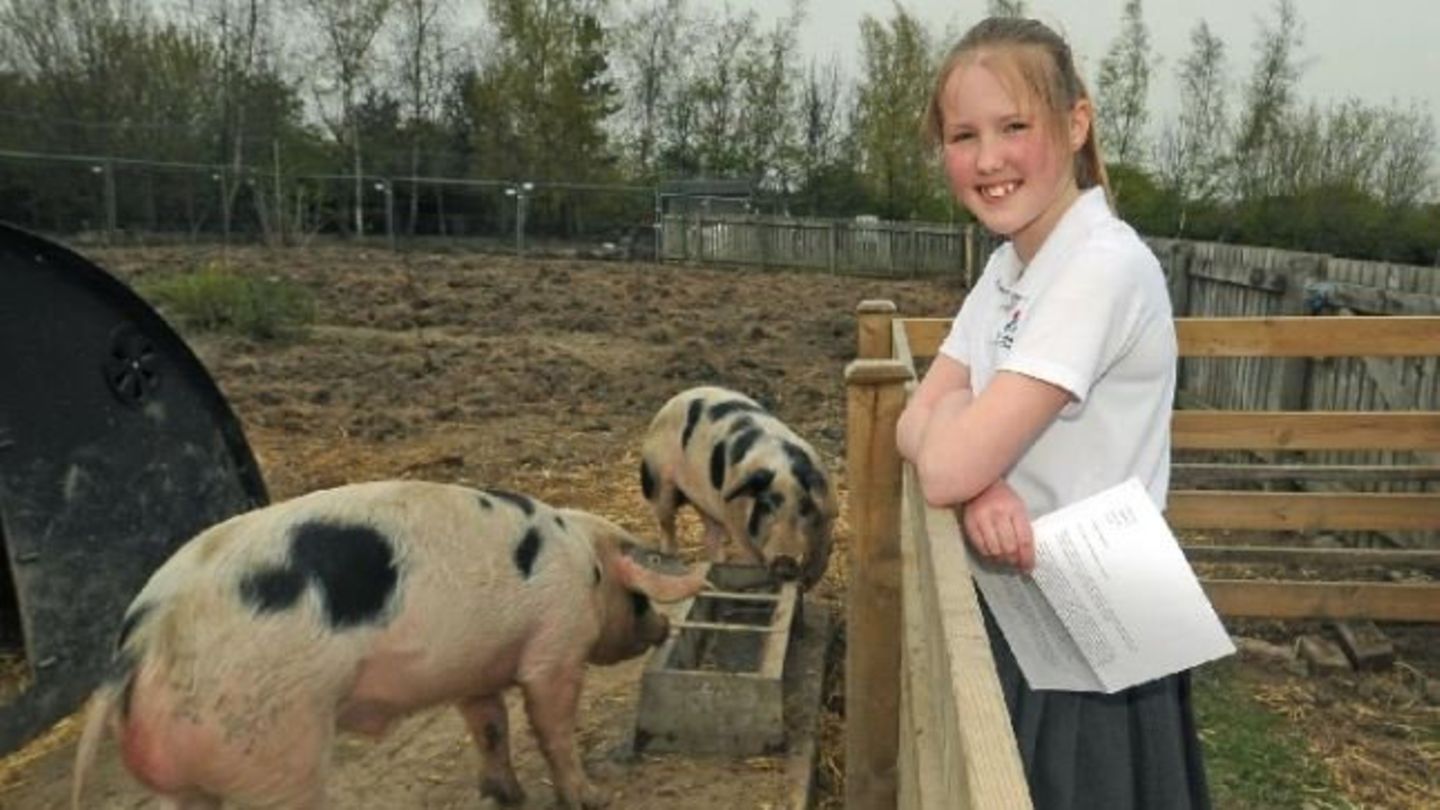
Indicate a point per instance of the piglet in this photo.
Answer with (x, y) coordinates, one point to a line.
(352, 607)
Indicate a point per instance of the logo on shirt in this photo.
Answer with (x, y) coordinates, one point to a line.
(1005, 338)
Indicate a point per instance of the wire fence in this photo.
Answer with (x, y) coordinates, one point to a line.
(106, 200)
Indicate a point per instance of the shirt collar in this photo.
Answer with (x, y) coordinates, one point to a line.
(1088, 210)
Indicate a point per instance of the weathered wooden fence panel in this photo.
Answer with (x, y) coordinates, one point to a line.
(899, 249)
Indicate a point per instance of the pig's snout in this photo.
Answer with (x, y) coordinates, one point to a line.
(785, 568)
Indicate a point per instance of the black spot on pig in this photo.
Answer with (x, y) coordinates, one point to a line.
(754, 485)
(484, 502)
(524, 502)
(526, 551)
(272, 589)
(765, 505)
(741, 424)
(692, 418)
(647, 481)
(133, 617)
(720, 410)
(353, 565)
(742, 445)
(560, 522)
(804, 468)
(598, 575)
(717, 465)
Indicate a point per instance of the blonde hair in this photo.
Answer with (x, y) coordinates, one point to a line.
(1035, 58)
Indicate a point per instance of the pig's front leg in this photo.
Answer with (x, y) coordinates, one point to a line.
(490, 727)
(714, 538)
(551, 700)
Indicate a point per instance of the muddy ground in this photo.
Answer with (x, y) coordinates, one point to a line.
(537, 376)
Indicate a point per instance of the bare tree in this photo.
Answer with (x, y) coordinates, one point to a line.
(424, 55)
(1269, 98)
(1124, 88)
(1191, 152)
(649, 57)
(1006, 8)
(347, 30)
(1407, 166)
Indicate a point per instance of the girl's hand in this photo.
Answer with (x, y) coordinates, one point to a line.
(998, 527)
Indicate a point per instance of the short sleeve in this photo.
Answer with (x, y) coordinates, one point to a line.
(1086, 318)
(956, 345)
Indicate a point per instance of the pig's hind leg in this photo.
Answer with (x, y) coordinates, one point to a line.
(489, 725)
(665, 500)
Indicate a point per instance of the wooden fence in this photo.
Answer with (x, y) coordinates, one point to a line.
(926, 723)
(898, 249)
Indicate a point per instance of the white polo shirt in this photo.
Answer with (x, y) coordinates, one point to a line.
(1090, 314)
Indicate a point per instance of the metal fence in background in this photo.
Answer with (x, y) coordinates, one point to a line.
(107, 200)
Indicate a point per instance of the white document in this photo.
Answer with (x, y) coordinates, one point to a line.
(1112, 601)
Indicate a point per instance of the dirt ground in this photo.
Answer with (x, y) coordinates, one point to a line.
(539, 376)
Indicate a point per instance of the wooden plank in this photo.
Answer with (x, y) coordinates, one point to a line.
(1293, 336)
(1184, 475)
(1303, 511)
(1252, 277)
(992, 775)
(1303, 430)
(924, 724)
(875, 396)
(1303, 336)
(1374, 299)
(1283, 555)
(1324, 600)
(926, 335)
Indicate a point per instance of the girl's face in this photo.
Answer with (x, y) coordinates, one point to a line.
(1003, 160)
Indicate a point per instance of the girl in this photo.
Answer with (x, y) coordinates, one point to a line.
(1055, 382)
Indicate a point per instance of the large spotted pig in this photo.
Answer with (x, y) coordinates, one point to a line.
(352, 607)
(748, 475)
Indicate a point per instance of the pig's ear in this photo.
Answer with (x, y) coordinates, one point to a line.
(658, 576)
(754, 484)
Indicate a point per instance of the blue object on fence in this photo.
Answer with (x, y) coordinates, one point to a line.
(1318, 296)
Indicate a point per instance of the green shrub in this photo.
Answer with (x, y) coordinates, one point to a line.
(213, 299)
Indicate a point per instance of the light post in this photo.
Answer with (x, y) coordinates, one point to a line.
(521, 193)
(107, 198)
(387, 190)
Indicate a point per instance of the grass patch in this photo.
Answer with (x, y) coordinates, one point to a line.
(1252, 759)
(212, 299)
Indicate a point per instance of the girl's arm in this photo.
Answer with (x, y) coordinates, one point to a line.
(966, 446)
(947, 379)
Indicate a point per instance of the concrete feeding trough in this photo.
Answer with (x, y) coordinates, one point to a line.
(717, 685)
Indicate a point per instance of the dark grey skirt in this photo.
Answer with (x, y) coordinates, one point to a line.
(1135, 749)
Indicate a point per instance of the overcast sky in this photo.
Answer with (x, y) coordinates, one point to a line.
(1377, 50)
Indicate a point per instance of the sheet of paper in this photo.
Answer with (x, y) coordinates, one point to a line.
(1113, 576)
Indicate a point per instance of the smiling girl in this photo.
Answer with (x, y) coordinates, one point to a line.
(1055, 382)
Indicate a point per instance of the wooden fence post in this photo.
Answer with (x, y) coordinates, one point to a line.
(873, 333)
(833, 245)
(875, 396)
